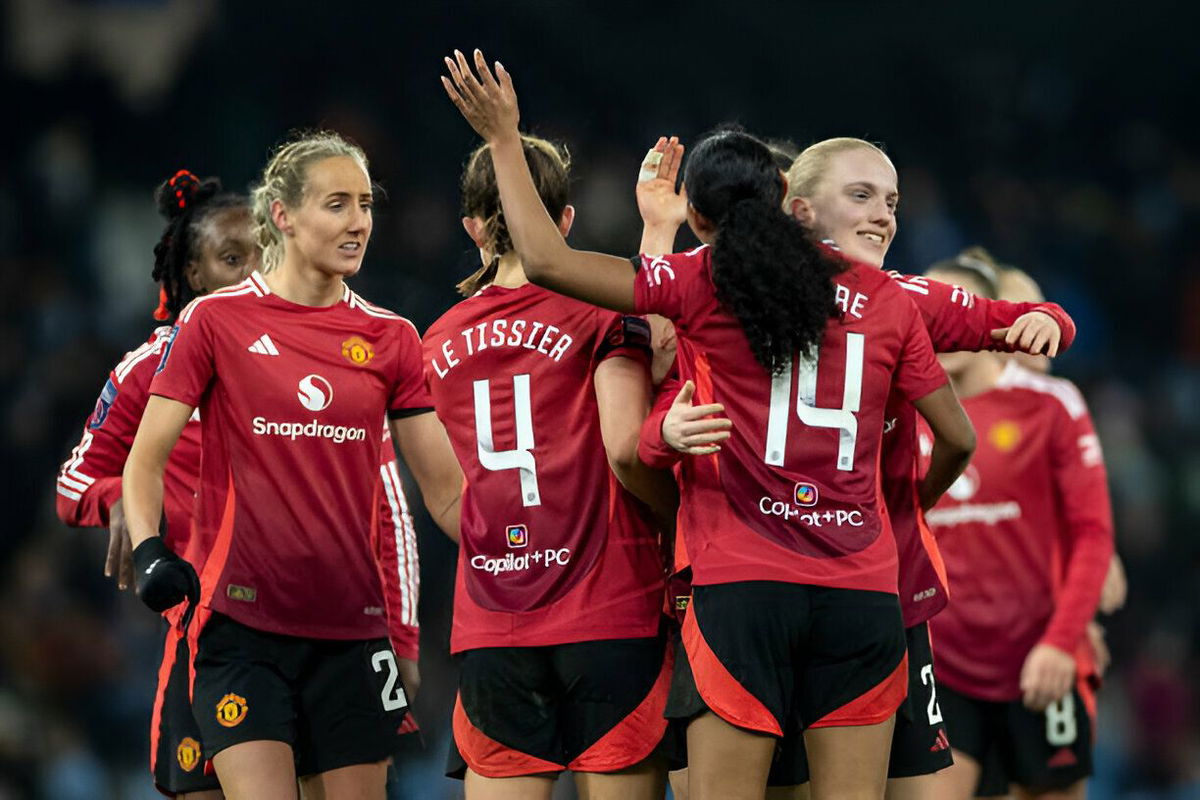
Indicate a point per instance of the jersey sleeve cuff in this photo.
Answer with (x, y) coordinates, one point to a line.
(401, 413)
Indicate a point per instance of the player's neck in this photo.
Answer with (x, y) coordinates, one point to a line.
(980, 375)
(509, 272)
(305, 285)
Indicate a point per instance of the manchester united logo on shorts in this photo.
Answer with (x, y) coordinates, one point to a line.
(188, 753)
(231, 710)
(357, 350)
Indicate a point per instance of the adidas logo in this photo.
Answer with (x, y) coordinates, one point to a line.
(264, 346)
(940, 742)
(1063, 758)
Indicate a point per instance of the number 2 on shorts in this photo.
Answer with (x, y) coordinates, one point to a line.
(933, 710)
(393, 696)
(842, 418)
(521, 458)
(1061, 729)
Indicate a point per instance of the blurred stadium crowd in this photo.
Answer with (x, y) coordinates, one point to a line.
(1060, 142)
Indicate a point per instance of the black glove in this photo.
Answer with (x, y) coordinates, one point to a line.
(163, 579)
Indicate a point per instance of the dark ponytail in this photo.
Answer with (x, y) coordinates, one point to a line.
(185, 202)
(768, 273)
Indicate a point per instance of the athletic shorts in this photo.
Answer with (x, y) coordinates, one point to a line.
(176, 756)
(586, 706)
(337, 703)
(1038, 750)
(919, 745)
(771, 657)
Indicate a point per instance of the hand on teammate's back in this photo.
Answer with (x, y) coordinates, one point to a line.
(1046, 677)
(163, 579)
(686, 429)
(1035, 332)
(118, 563)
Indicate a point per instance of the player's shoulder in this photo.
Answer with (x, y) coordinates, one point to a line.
(672, 266)
(227, 300)
(143, 358)
(377, 316)
(1050, 389)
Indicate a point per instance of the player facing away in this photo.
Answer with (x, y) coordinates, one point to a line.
(292, 373)
(845, 189)
(558, 593)
(1026, 534)
(788, 544)
(207, 244)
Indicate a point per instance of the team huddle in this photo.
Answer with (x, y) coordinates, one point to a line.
(761, 516)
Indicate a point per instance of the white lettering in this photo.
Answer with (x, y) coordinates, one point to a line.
(853, 307)
(511, 562)
(987, 513)
(307, 430)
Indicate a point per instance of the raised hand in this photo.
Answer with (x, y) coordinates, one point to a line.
(1035, 332)
(490, 105)
(686, 429)
(658, 202)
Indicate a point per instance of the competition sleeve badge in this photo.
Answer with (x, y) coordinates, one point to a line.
(231, 710)
(108, 396)
(357, 350)
(188, 753)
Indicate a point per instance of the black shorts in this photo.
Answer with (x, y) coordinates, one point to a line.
(774, 657)
(1038, 750)
(176, 756)
(337, 703)
(919, 744)
(586, 706)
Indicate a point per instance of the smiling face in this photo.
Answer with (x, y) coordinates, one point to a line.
(330, 228)
(853, 203)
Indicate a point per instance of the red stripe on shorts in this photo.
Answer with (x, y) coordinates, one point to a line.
(720, 690)
(873, 706)
(164, 676)
(487, 757)
(634, 738)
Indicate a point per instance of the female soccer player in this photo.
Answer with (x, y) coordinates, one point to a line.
(846, 190)
(292, 372)
(1026, 534)
(788, 547)
(557, 606)
(207, 244)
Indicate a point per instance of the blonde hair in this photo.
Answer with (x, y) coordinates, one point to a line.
(284, 179)
(1018, 286)
(811, 165)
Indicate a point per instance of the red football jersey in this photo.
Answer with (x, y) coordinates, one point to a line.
(396, 554)
(292, 397)
(956, 320)
(89, 482)
(1026, 534)
(798, 480)
(553, 549)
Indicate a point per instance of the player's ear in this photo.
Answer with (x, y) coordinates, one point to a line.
(567, 220)
(192, 273)
(802, 211)
(279, 215)
(474, 227)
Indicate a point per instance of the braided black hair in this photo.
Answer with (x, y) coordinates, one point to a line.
(186, 202)
(768, 273)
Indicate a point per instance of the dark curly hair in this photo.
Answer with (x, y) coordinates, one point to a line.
(186, 202)
(550, 166)
(768, 273)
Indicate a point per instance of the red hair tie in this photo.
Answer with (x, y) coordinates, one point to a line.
(161, 313)
(184, 183)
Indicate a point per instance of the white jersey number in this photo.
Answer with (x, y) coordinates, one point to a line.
(933, 710)
(521, 458)
(393, 696)
(1061, 729)
(842, 419)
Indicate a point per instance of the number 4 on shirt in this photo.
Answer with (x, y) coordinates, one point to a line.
(842, 419)
(520, 458)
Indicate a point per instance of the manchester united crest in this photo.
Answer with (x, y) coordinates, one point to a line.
(231, 710)
(188, 753)
(1004, 435)
(357, 350)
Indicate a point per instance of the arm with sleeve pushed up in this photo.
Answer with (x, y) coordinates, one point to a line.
(1082, 486)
